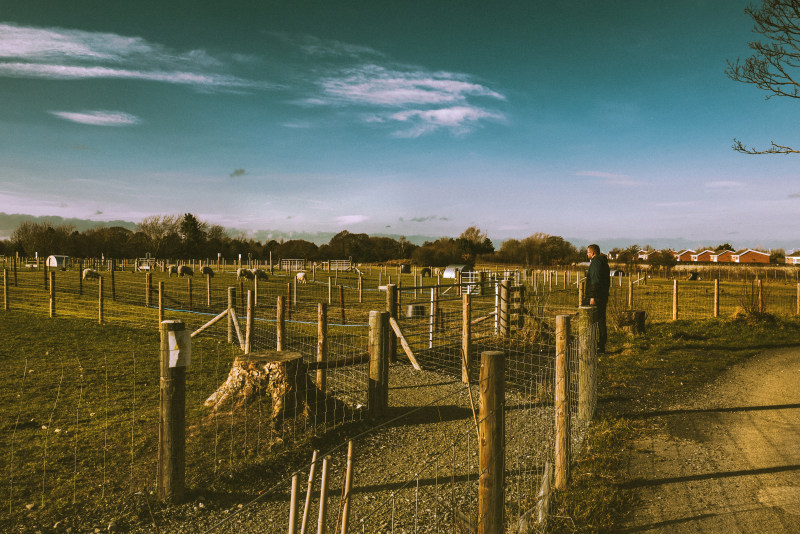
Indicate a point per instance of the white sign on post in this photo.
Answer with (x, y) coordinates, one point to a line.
(180, 348)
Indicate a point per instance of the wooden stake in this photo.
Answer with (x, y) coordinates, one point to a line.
(341, 304)
(491, 484)
(323, 498)
(378, 390)
(466, 337)
(100, 300)
(322, 343)
(562, 403)
(293, 505)
(312, 473)
(248, 332)
(172, 416)
(674, 300)
(5, 289)
(281, 322)
(52, 293)
(348, 483)
(160, 302)
(716, 297)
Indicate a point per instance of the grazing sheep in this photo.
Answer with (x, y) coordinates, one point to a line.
(244, 273)
(207, 271)
(172, 269)
(301, 277)
(90, 274)
(185, 270)
(261, 274)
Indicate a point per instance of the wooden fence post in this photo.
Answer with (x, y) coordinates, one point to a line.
(208, 289)
(248, 330)
(281, 322)
(52, 293)
(391, 307)
(342, 304)
(160, 301)
(562, 441)
(716, 297)
(505, 311)
(378, 390)
(231, 301)
(189, 292)
(175, 355)
(148, 289)
(360, 290)
(5, 289)
(630, 291)
(466, 336)
(491, 481)
(674, 300)
(761, 304)
(587, 363)
(80, 277)
(798, 299)
(322, 343)
(100, 300)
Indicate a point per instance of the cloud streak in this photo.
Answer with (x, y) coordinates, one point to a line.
(99, 118)
(611, 178)
(63, 54)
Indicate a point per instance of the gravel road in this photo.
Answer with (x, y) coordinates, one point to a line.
(725, 459)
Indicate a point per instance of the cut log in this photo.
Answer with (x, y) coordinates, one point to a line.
(632, 322)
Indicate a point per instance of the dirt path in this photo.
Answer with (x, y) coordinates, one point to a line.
(728, 458)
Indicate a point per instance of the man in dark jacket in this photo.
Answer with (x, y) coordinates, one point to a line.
(598, 282)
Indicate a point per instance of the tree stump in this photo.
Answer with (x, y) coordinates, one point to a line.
(281, 375)
(632, 322)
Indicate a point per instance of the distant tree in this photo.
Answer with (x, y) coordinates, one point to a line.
(473, 242)
(628, 256)
(773, 63)
(157, 228)
(439, 253)
(193, 233)
(777, 255)
(41, 237)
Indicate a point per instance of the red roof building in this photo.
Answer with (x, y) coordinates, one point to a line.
(750, 256)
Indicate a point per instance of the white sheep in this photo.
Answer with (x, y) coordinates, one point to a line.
(207, 271)
(185, 270)
(172, 269)
(90, 274)
(244, 273)
(261, 274)
(301, 277)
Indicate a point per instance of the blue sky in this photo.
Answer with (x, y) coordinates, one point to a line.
(577, 118)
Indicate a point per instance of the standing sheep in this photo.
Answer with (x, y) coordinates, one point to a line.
(301, 277)
(185, 270)
(90, 274)
(260, 274)
(244, 273)
(172, 269)
(207, 271)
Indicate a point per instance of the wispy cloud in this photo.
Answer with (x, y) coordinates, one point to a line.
(459, 120)
(99, 118)
(326, 48)
(351, 219)
(611, 178)
(725, 184)
(794, 195)
(64, 54)
(399, 95)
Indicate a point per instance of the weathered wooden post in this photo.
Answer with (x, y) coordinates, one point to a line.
(248, 331)
(100, 300)
(189, 292)
(342, 307)
(391, 307)
(113, 283)
(630, 291)
(176, 350)
(491, 481)
(760, 286)
(587, 363)
(466, 336)
(148, 289)
(281, 322)
(293, 504)
(5, 289)
(80, 277)
(360, 289)
(505, 313)
(208, 289)
(580, 292)
(52, 293)
(716, 297)
(14, 264)
(378, 390)
(798, 299)
(288, 302)
(330, 289)
(160, 301)
(45, 272)
(674, 300)
(322, 343)
(242, 294)
(231, 300)
(348, 483)
(562, 442)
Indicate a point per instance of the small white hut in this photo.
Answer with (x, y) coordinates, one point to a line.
(56, 261)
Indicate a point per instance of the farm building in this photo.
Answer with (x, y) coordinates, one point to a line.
(703, 256)
(793, 260)
(58, 262)
(750, 256)
(684, 255)
(726, 256)
(453, 271)
(647, 254)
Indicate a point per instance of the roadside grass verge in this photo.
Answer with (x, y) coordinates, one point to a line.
(643, 373)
